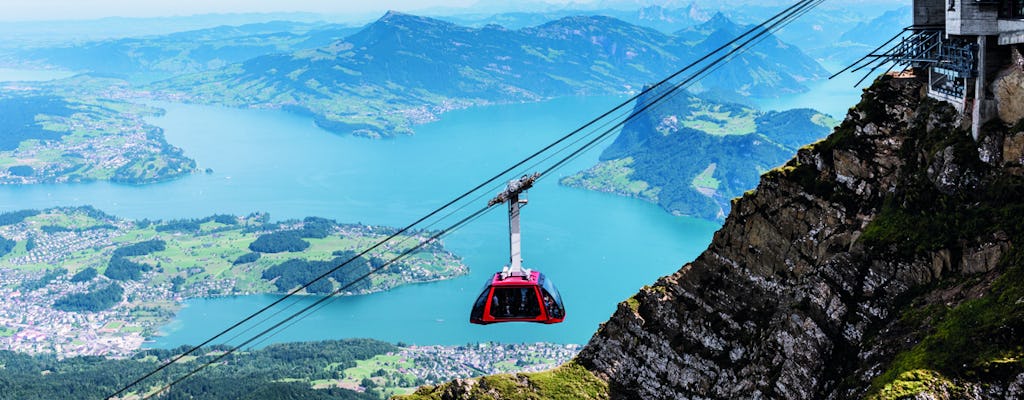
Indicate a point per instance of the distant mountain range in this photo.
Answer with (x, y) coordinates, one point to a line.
(692, 156)
(663, 18)
(161, 57)
(866, 36)
(405, 69)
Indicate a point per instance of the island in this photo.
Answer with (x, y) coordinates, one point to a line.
(77, 281)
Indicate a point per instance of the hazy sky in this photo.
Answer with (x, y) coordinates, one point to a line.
(15, 10)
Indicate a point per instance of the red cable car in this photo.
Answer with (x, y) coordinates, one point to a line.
(517, 294)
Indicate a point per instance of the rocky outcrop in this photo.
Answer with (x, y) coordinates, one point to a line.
(1008, 89)
(839, 275)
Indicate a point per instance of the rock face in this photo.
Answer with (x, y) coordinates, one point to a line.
(1009, 89)
(881, 262)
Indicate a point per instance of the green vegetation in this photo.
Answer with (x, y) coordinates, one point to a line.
(613, 177)
(706, 180)
(276, 372)
(97, 299)
(295, 272)
(384, 373)
(192, 254)
(691, 155)
(972, 340)
(7, 332)
(246, 258)
(14, 217)
(49, 138)
(279, 242)
(6, 245)
(84, 275)
(567, 382)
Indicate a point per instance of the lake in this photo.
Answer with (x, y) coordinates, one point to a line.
(598, 248)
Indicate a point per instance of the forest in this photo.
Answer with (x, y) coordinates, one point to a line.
(92, 301)
(84, 275)
(15, 217)
(18, 121)
(293, 273)
(279, 242)
(123, 269)
(279, 371)
(6, 245)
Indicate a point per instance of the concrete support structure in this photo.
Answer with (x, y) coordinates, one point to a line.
(983, 108)
(988, 23)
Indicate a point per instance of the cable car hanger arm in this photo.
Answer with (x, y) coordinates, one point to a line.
(514, 188)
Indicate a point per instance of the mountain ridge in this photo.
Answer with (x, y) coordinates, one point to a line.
(403, 70)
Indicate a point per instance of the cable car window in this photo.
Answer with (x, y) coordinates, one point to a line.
(553, 304)
(478, 307)
(515, 302)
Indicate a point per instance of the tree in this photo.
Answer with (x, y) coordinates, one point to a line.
(278, 242)
(84, 275)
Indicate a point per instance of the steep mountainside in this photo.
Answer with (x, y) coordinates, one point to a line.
(404, 69)
(883, 262)
(691, 156)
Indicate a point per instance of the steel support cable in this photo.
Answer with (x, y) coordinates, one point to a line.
(799, 4)
(216, 359)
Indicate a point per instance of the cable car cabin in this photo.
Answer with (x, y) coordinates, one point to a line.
(517, 294)
(518, 299)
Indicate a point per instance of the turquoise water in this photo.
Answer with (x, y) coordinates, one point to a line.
(598, 248)
(830, 96)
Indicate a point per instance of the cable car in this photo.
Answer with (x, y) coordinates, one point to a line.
(517, 294)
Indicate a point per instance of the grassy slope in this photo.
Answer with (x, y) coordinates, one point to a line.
(567, 382)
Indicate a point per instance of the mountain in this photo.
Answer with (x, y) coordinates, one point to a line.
(775, 68)
(884, 262)
(866, 36)
(660, 17)
(164, 56)
(691, 156)
(405, 69)
(881, 28)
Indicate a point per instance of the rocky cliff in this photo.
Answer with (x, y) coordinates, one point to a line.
(882, 262)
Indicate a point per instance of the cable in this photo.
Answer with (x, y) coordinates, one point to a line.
(784, 15)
